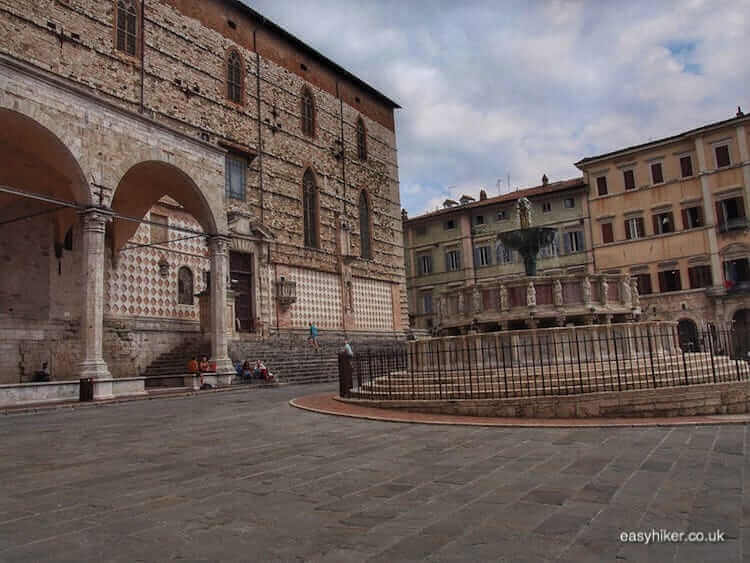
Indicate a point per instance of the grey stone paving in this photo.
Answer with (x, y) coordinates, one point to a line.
(244, 477)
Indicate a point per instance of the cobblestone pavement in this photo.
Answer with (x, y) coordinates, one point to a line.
(242, 476)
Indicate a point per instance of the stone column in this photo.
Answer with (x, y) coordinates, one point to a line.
(709, 215)
(92, 362)
(218, 249)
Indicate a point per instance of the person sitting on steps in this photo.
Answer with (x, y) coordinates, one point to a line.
(260, 371)
(192, 365)
(42, 375)
(204, 365)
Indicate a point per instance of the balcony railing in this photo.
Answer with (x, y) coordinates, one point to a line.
(736, 224)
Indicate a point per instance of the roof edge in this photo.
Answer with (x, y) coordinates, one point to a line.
(663, 140)
(540, 190)
(313, 52)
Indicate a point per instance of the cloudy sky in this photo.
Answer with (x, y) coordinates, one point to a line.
(526, 88)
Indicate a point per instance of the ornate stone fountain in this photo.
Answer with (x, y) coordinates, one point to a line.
(527, 240)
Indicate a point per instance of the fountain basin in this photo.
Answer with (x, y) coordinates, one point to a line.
(528, 242)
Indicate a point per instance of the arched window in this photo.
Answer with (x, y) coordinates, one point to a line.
(127, 26)
(185, 286)
(361, 140)
(310, 208)
(308, 113)
(234, 77)
(365, 246)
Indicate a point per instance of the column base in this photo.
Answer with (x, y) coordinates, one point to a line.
(97, 369)
(225, 371)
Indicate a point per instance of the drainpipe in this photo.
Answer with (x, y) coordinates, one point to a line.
(143, 52)
(260, 128)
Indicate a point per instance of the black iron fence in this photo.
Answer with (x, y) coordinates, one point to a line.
(547, 362)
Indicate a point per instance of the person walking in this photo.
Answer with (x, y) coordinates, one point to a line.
(313, 338)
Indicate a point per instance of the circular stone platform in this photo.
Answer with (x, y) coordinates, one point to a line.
(328, 403)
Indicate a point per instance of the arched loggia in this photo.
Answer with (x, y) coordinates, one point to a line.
(141, 187)
(34, 160)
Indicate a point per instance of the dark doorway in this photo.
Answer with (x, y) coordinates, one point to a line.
(241, 273)
(741, 333)
(688, 333)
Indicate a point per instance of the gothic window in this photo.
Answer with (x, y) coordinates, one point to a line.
(185, 286)
(234, 77)
(361, 140)
(365, 250)
(308, 113)
(127, 26)
(310, 209)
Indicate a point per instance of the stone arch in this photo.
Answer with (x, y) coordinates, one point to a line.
(34, 158)
(687, 331)
(144, 184)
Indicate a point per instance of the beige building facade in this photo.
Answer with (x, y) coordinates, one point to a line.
(454, 251)
(155, 150)
(673, 214)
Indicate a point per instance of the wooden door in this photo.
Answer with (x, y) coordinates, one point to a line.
(241, 273)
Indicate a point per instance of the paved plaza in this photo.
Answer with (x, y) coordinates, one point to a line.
(242, 476)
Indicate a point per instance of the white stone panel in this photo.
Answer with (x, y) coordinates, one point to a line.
(318, 299)
(373, 308)
(135, 288)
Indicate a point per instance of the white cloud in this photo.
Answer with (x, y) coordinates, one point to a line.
(491, 88)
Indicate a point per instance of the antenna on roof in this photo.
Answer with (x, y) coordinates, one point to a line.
(499, 186)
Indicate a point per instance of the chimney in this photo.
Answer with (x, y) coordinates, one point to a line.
(739, 112)
(545, 180)
(482, 195)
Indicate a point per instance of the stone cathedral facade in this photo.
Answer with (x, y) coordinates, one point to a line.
(168, 164)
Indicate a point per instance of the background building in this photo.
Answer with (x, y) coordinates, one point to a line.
(457, 248)
(673, 213)
(149, 145)
(669, 216)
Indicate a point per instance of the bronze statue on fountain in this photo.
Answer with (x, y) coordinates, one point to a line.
(527, 240)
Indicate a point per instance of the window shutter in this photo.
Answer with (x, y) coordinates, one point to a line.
(655, 219)
(607, 234)
(641, 229)
(566, 242)
(628, 234)
(692, 275)
(720, 214)
(420, 268)
(458, 259)
(740, 207)
(447, 262)
(685, 222)
(476, 257)
(662, 281)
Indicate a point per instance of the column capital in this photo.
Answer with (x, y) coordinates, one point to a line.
(95, 219)
(219, 244)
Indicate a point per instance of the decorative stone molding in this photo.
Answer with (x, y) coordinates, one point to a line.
(286, 292)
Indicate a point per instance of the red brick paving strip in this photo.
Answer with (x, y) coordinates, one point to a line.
(328, 403)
